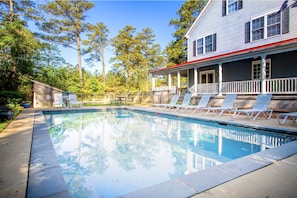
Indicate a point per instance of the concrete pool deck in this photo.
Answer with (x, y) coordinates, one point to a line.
(272, 173)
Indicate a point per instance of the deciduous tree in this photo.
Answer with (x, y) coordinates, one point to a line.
(17, 44)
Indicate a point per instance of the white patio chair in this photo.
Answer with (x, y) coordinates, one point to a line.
(58, 100)
(73, 101)
(203, 102)
(286, 116)
(173, 101)
(260, 107)
(186, 101)
(228, 105)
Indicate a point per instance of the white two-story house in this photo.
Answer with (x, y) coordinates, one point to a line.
(239, 46)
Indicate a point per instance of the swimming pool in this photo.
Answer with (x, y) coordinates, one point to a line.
(110, 153)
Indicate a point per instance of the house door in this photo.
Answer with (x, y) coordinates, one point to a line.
(207, 77)
(256, 69)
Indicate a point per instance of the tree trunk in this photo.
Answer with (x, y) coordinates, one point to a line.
(79, 62)
(103, 66)
(11, 10)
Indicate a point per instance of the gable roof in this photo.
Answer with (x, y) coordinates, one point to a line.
(198, 18)
(46, 85)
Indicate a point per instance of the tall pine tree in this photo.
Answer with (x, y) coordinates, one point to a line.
(188, 12)
(65, 24)
(96, 43)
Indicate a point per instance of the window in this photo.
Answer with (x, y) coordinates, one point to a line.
(258, 28)
(194, 48)
(266, 26)
(230, 6)
(205, 44)
(256, 69)
(273, 24)
(200, 46)
(208, 43)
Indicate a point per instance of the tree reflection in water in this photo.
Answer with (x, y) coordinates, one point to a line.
(109, 153)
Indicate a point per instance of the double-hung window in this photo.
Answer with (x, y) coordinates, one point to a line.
(200, 46)
(266, 26)
(205, 44)
(258, 28)
(273, 24)
(208, 43)
(230, 6)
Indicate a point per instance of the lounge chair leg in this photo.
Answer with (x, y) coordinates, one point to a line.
(283, 121)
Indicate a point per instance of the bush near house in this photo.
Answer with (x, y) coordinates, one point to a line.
(10, 107)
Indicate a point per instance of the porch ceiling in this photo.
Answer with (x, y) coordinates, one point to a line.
(268, 49)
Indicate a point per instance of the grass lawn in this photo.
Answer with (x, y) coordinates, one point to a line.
(4, 124)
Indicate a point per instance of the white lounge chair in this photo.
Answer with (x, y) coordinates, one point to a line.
(228, 105)
(260, 107)
(58, 100)
(203, 102)
(173, 101)
(185, 103)
(73, 101)
(286, 116)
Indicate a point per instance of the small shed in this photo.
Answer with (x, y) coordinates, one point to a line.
(43, 94)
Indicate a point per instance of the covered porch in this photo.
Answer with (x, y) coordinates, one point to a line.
(265, 69)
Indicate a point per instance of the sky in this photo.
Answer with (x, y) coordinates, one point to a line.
(155, 14)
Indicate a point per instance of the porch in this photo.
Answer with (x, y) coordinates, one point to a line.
(275, 86)
(284, 92)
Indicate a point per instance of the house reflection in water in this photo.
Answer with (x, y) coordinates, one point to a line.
(229, 143)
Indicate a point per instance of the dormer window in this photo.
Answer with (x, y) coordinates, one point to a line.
(230, 6)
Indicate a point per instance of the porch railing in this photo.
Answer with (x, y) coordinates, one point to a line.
(204, 88)
(274, 86)
(282, 85)
(243, 87)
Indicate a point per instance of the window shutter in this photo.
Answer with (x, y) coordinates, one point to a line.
(247, 31)
(214, 42)
(224, 7)
(194, 48)
(285, 21)
(239, 4)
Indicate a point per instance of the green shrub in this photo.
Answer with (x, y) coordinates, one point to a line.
(16, 108)
(7, 97)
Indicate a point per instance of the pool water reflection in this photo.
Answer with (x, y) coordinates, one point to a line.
(110, 153)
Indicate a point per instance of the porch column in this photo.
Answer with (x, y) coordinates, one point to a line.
(263, 74)
(153, 83)
(178, 79)
(220, 79)
(34, 100)
(188, 81)
(169, 81)
(195, 79)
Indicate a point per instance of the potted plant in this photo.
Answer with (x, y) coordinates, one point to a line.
(26, 104)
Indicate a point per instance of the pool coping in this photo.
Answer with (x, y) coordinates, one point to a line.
(45, 176)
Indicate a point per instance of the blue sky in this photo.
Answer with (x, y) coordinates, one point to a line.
(138, 13)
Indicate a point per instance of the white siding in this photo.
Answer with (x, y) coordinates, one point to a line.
(230, 29)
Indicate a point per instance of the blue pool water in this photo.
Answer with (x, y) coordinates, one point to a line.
(110, 153)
